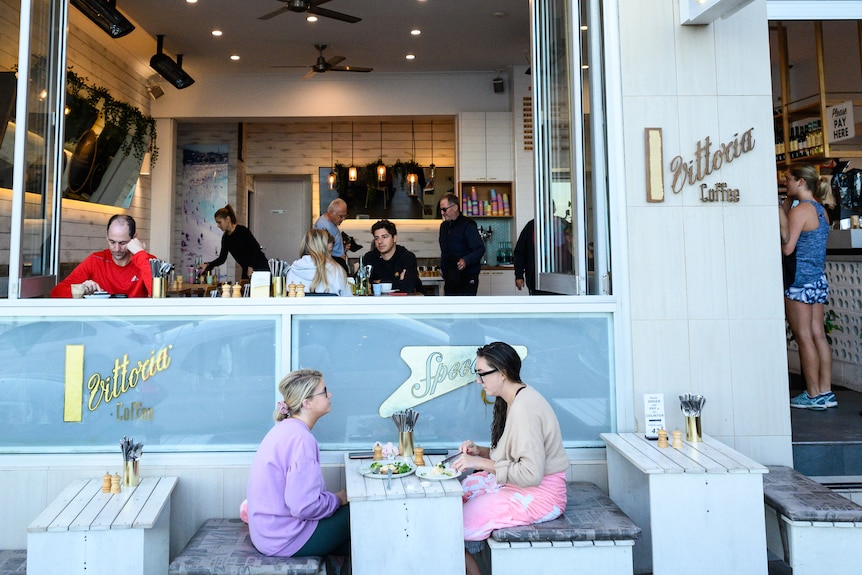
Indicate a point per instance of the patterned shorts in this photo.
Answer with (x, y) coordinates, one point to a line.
(811, 293)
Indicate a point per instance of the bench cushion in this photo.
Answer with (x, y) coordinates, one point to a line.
(590, 516)
(224, 547)
(13, 561)
(802, 499)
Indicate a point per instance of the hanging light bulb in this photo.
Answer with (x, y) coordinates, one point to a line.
(351, 171)
(381, 167)
(412, 178)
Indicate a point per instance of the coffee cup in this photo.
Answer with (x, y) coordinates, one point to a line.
(378, 289)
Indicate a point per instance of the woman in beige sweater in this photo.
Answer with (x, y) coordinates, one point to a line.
(521, 478)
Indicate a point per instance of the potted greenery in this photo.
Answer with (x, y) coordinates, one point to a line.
(127, 119)
(402, 169)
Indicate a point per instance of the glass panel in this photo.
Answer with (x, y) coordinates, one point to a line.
(45, 99)
(192, 384)
(572, 212)
(373, 363)
(10, 17)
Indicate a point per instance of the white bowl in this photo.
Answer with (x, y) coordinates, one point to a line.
(386, 287)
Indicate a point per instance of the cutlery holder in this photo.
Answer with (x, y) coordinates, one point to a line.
(405, 443)
(693, 431)
(130, 473)
(278, 286)
(159, 287)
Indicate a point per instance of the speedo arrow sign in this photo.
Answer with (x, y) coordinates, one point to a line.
(434, 371)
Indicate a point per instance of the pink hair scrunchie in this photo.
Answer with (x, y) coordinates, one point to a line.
(282, 408)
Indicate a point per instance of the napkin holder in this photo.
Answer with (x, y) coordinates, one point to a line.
(260, 283)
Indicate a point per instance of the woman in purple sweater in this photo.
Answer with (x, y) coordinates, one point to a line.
(290, 512)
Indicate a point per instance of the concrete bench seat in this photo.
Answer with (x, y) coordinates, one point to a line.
(224, 547)
(816, 530)
(592, 536)
(13, 561)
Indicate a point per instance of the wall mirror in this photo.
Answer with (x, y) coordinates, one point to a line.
(392, 198)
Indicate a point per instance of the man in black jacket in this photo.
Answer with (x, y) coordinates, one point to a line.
(391, 263)
(461, 249)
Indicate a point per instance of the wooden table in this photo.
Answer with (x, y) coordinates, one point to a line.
(700, 507)
(415, 527)
(86, 532)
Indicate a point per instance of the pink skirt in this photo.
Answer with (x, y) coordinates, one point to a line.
(489, 505)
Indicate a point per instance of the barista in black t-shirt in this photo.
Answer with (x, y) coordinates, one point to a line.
(390, 262)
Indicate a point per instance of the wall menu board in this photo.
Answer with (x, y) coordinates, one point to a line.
(368, 360)
(175, 384)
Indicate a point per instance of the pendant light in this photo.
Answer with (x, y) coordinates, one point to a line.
(429, 186)
(351, 171)
(331, 156)
(412, 178)
(381, 167)
(432, 149)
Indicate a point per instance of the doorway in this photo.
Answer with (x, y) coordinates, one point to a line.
(281, 214)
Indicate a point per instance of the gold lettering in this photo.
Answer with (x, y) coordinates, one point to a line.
(706, 161)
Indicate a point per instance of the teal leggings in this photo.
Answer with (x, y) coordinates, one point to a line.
(330, 537)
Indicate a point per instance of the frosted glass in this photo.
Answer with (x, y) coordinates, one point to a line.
(569, 361)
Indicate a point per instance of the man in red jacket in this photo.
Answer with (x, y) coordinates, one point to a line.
(123, 268)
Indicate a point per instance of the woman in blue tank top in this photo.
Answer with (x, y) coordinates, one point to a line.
(804, 230)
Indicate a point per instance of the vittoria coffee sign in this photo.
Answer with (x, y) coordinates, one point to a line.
(693, 169)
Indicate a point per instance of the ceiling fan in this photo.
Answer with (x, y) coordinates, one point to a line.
(312, 7)
(323, 65)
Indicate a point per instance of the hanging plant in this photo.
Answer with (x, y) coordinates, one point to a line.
(125, 117)
(401, 169)
(371, 175)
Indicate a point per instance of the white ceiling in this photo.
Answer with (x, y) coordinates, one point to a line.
(457, 35)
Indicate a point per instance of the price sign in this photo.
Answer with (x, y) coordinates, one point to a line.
(653, 414)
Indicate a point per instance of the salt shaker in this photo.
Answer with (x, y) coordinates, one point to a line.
(378, 452)
(225, 290)
(677, 439)
(236, 290)
(106, 483)
(115, 483)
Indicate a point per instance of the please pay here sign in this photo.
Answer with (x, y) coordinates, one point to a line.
(839, 122)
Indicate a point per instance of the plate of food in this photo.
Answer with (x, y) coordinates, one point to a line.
(385, 468)
(437, 472)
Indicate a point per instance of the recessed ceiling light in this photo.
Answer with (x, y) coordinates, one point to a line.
(499, 13)
(191, 1)
(410, 56)
(311, 19)
(216, 33)
(234, 57)
(415, 31)
(584, 27)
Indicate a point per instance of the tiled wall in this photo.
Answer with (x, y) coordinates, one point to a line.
(706, 306)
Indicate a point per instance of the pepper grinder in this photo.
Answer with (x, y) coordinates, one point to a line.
(115, 483)
(418, 455)
(236, 290)
(225, 290)
(106, 483)
(662, 438)
(378, 452)
(677, 439)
